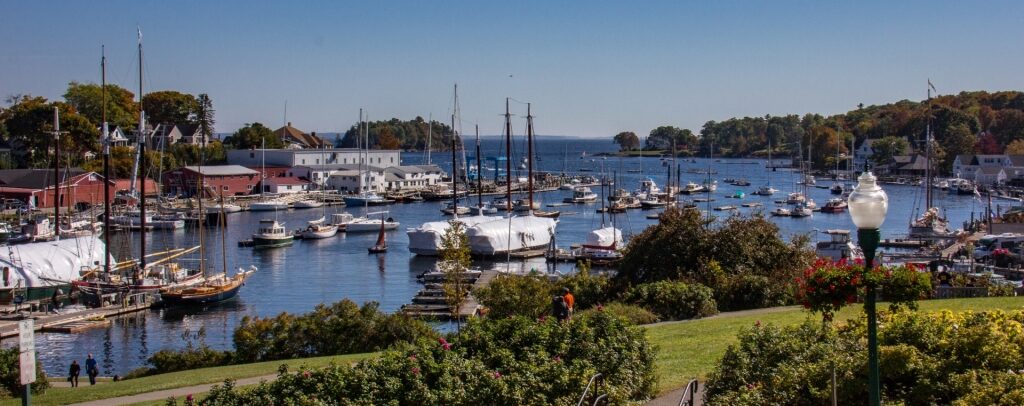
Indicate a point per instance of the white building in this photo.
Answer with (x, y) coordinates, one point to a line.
(345, 179)
(285, 185)
(297, 157)
(989, 175)
(862, 155)
(412, 176)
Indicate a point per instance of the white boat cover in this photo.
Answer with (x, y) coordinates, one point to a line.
(604, 237)
(426, 239)
(510, 235)
(42, 264)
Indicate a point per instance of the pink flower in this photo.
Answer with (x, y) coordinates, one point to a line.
(305, 374)
(497, 375)
(557, 359)
(757, 323)
(412, 357)
(600, 307)
(188, 398)
(416, 370)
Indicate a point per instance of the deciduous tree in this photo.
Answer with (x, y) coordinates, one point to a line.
(169, 106)
(253, 136)
(87, 99)
(627, 141)
(886, 148)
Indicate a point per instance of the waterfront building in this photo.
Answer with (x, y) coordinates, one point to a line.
(410, 177)
(34, 187)
(297, 139)
(290, 158)
(862, 155)
(229, 180)
(284, 185)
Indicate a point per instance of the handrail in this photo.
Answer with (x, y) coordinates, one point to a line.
(603, 397)
(586, 390)
(691, 389)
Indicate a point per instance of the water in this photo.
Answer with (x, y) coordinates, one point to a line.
(297, 278)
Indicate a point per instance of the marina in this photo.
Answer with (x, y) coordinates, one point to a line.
(338, 267)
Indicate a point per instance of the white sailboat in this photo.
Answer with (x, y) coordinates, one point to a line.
(767, 189)
(931, 225)
(267, 202)
(366, 196)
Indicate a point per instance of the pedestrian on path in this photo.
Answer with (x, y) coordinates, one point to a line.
(90, 368)
(558, 308)
(570, 301)
(73, 373)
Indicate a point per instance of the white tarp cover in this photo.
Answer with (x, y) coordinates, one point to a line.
(42, 264)
(526, 232)
(604, 237)
(426, 239)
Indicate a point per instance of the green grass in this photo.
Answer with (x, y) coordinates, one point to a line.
(63, 396)
(690, 349)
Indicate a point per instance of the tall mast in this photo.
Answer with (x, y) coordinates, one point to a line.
(928, 153)
(56, 172)
(529, 157)
(430, 134)
(142, 167)
(359, 137)
(106, 164)
(199, 199)
(508, 159)
(479, 174)
(455, 173)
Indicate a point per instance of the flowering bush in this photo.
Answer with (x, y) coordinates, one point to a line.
(904, 285)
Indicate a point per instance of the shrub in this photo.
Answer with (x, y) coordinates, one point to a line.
(587, 289)
(515, 295)
(630, 313)
(164, 361)
(512, 361)
(939, 358)
(673, 300)
(10, 374)
(341, 328)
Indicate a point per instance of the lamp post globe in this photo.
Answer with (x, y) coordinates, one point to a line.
(868, 205)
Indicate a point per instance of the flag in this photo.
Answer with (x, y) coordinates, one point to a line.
(139, 30)
(930, 85)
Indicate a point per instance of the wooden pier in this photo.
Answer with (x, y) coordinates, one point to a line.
(431, 303)
(72, 322)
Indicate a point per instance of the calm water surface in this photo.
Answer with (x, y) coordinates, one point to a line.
(297, 278)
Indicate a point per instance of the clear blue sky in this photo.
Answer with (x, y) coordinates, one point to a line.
(590, 68)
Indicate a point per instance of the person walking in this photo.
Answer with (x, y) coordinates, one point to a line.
(570, 301)
(73, 373)
(90, 368)
(558, 308)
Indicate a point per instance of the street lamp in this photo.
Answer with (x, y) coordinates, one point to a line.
(868, 205)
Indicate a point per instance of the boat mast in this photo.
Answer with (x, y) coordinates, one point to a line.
(106, 164)
(56, 172)
(479, 174)
(529, 158)
(928, 153)
(142, 167)
(359, 140)
(455, 174)
(199, 199)
(508, 159)
(430, 134)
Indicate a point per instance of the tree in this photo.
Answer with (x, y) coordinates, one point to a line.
(87, 99)
(627, 141)
(30, 123)
(253, 136)
(988, 144)
(386, 139)
(169, 106)
(1008, 126)
(886, 148)
(204, 116)
(1016, 147)
(959, 140)
(661, 138)
(454, 261)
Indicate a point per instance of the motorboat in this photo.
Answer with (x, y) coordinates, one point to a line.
(839, 247)
(269, 205)
(692, 188)
(482, 209)
(318, 229)
(834, 205)
(366, 199)
(741, 182)
(765, 191)
(307, 204)
(582, 194)
(801, 210)
(795, 198)
(271, 233)
(781, 212)
(738, 195)
(342, 220)
(366, 224)
(647, 187)
(836, 189)
(710, 187)
(426, 239)
(451, 209)
(224, 208)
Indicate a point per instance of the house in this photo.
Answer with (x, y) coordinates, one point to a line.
(346, 179)
(299, 157)
(412, 176)
(905, 165)
(35, 187)
(169, 134)
(285, 185)
(227, 180)
(297, 139)
(989, 175)
(862, 155)
(966, 165)
(117, 137)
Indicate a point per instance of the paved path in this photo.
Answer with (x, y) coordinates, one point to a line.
(672, 398)
(178, 393)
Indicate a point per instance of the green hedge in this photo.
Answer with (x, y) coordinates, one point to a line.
(673, 300)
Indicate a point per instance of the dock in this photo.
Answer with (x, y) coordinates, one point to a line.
(71, 322)
(430, 302)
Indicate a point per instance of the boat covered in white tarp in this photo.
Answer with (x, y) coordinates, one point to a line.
(606, 237)
(511, 235)
(52, 263)
(426, 239)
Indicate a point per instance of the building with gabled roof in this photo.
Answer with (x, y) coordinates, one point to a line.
(296, 138)
(227, 180)
(34, 187)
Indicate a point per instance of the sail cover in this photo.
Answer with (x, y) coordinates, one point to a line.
(426, 239)
(603, 237)
(42, 264)
(510, 235)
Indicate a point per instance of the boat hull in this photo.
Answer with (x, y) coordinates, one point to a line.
(362, 227)
(201, 299)
(262, 242)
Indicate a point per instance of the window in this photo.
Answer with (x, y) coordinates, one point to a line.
(224, 188)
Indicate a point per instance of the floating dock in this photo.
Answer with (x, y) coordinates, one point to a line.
(431, 302)
(71, 322)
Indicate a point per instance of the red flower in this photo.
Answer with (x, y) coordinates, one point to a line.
(416, 370)
(497, 375)
(305, 374)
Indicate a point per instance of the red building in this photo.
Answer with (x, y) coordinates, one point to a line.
(229, 180)
(34, 187)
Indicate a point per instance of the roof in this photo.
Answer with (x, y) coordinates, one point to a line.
(289, 133)
(965, 159)
(976, 160)
(287, 181)
(917, 163)
(341, 167)
(990, 170)
(34, 178)
(413, 169)
(1017, 160)
(221, 170)
(390, 177)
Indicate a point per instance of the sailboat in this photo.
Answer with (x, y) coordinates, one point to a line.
(266, 202)
(767, 189)
(533, 205)
(601, 245)
(931, 225)
(837, 188)
(481, 207)
(803, 203)
(319, 228)
(366, 196)
(453, 208)
(382, 243)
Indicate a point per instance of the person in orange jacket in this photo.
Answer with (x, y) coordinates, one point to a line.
(570, 301)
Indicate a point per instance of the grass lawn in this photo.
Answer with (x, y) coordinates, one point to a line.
(691, 348)
(63, 396)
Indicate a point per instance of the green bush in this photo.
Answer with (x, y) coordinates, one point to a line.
(588, 290)
(940, 358)
(514, 295)
(510, 361)
(633, 314)
(164, 361)
(10, 374)
(341, 328)
(673, 300)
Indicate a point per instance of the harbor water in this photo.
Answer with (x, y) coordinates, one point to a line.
(297, 278)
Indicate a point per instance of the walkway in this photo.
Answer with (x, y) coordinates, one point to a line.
(672, 398)
(177, 393)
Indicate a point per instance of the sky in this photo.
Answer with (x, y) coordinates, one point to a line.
(590, 69)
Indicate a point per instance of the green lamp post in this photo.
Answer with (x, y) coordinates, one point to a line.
(868, 205)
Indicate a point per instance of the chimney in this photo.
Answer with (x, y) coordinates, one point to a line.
(289, 124)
